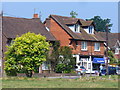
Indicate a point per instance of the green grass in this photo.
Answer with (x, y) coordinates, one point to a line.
(90, 82)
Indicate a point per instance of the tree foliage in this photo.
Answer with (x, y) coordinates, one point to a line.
(111, 57)
(26, 53)
(54, 56)
(100, 24)
(66, 60)
(73, 14)
(61, 58)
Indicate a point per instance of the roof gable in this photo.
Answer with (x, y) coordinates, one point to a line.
(62, 21)
(113, 38)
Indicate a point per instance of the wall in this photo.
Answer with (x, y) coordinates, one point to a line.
(58, 32)
(90, 49)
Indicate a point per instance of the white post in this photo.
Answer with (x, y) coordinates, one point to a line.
(90, 64)
(77, 59)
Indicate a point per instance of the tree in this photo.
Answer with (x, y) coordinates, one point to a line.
(111, 57)
(100, 24)
(73, 14)
(66, 60)
(54, 56)
(26, 53)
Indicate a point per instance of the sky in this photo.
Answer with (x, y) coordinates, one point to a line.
(85, 10)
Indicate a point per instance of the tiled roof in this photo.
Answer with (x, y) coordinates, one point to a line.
(83, 35)
(112, 38)
(12, 26)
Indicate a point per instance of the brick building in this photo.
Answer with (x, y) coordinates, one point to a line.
(87, 45)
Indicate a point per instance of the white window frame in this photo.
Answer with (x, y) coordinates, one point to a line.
(84, 46)
(90, 29)
(77, 28)
(96, 45)
(117, 51)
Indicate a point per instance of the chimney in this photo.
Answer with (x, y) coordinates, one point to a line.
(35, 16)
(48, 22)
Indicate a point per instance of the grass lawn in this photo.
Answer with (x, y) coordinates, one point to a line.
(85, 82)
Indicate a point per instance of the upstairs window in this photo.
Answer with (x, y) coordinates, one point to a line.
(90, 29)
(97, 47)
(75, 27)
(83, 45)
(117, 51)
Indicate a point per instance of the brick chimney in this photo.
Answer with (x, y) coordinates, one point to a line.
(35, 16)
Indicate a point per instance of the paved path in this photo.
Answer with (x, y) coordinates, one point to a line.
(72, 77)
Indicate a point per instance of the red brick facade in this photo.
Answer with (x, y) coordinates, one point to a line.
(58, 33)
(90, 49)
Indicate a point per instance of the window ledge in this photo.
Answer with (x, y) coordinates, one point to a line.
(84, 49)
(116, 53)
(97, 50)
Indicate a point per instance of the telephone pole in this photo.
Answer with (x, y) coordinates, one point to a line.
(107, 48)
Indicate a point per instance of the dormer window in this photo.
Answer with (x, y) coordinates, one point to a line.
(75, 27)
(90, 29)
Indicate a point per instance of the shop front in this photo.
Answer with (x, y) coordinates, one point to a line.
(97, 62)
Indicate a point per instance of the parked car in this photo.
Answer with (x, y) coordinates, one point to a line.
(81, 70)
(118, 70)
(111, 71)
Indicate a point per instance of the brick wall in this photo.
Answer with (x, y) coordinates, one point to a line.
(58, 32)
(63, 37)
(90, 49)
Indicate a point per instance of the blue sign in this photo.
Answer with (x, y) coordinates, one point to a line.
(99, 60)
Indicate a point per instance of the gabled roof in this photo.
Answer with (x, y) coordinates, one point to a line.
(12, 26)
(83, 35)
(112, 38)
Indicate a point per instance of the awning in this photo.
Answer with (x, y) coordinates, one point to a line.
(99, 60)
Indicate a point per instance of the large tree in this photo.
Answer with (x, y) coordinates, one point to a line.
(100, 23)
(26, 53)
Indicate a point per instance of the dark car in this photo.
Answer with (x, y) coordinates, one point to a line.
(111, 71)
